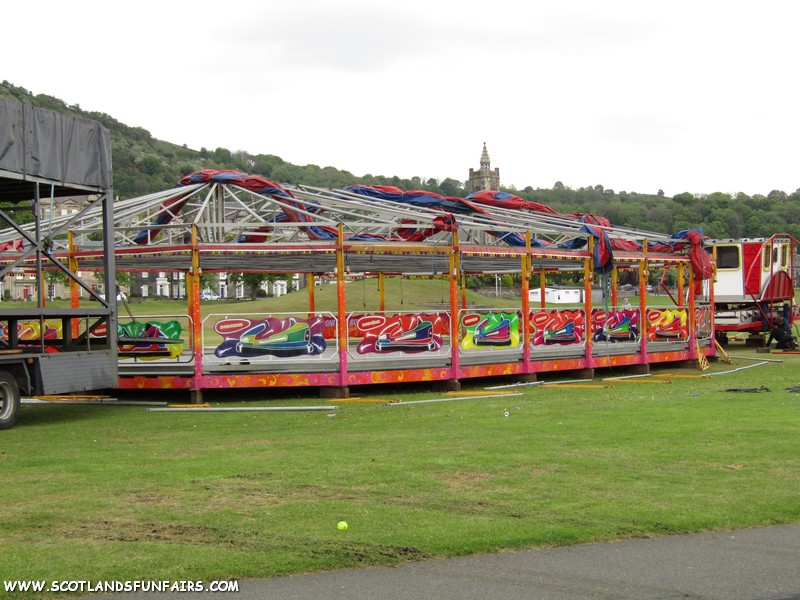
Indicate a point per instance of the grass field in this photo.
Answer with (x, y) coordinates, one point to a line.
(407, 295)
(115, 492)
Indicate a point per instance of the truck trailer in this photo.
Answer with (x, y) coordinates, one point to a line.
(47, 350)
(753, 284)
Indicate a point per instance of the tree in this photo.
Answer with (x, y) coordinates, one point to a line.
(123, 278)
(663, 217)
(209, 281)
(151, 164)
(671, 278)
(777, 195)
(450, 187)
(55, 277)
(717, 229)
(685, 198)
(718, 199)
(755, 225)
(252, 281)
(223, 155)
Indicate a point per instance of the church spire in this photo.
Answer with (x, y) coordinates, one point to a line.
(485, 162)
(485, 178)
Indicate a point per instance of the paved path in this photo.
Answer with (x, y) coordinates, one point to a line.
(750, 564)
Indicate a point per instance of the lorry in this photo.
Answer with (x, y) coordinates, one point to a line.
(47, 350)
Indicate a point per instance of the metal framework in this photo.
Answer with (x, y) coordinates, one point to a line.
(46, 156)
(200, 227)
(223, 213)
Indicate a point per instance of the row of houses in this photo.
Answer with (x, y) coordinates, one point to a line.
(22, 286)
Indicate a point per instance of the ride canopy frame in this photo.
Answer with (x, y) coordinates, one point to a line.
(231, 222)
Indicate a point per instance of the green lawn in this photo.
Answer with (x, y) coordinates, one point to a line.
(104, 492)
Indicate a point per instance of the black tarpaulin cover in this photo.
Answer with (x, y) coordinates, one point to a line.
(36, 144)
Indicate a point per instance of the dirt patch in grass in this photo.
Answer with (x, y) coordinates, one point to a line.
(148, 498)
(154, 532)
(337, 552)
(367, 554)
(249, 443)
(235, 492)
(329, 492)
(241, 490)
(132, 531)
(459, 481)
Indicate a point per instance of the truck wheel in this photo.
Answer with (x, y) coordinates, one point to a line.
(9, 400)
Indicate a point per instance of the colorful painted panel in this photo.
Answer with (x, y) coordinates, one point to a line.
(146, 341)
(400, 333)
(152, 330)
(615, 325)
(32, 330)
(355, 331)
(562, 327)
(489, 330)
(283, 338)
(667, 325)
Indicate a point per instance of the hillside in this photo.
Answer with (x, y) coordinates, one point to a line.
(143, 164)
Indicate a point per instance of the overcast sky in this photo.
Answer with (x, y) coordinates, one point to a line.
(697, 96)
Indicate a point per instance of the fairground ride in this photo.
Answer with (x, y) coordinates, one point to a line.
(231, 222)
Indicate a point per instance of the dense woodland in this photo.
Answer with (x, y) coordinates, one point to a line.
(143, 165)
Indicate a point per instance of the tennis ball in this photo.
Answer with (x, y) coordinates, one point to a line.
(342, 525)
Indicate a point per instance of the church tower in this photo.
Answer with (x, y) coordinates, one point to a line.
(484, 178)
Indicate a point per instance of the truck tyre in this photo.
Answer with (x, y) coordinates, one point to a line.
(9, 400)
